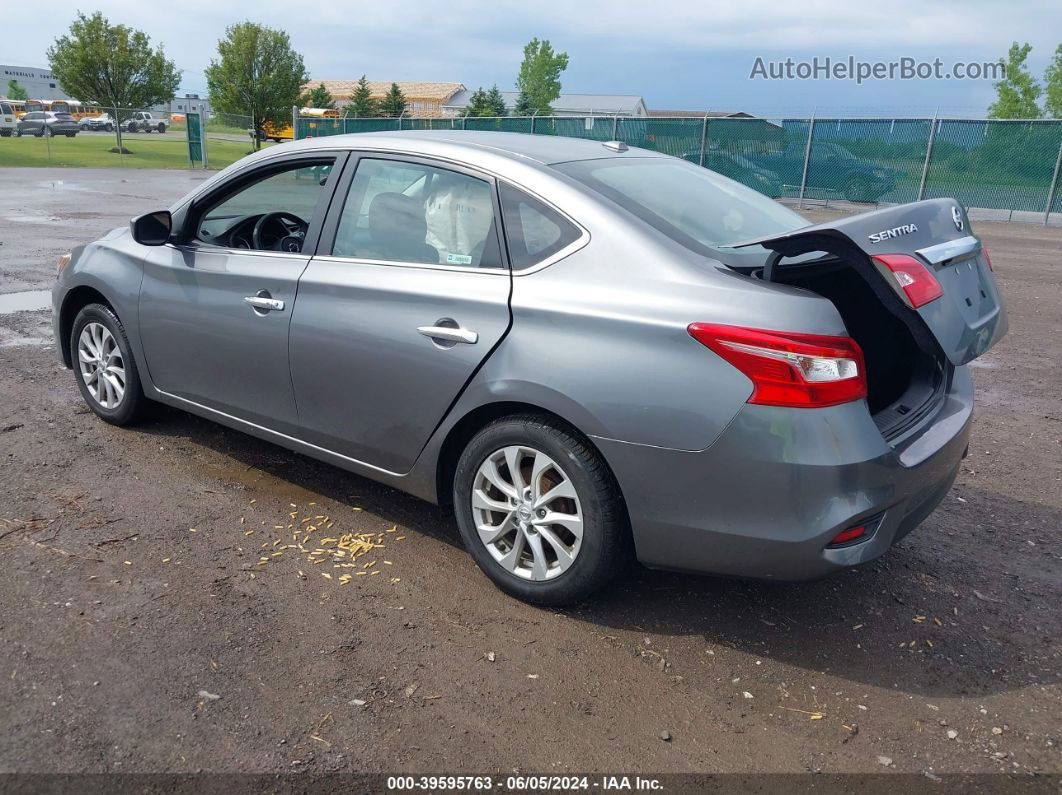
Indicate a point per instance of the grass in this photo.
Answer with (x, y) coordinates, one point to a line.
(92, 151)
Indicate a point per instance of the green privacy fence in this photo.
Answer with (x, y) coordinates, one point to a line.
(993, 164)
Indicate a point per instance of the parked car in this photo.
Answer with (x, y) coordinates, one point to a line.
(833, 169)
(589, 352)
(43, 122)
(103, 122)
(8, 119)
(143, 121)
(741, 169)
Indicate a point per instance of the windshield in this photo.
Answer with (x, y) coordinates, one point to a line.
(696, 207)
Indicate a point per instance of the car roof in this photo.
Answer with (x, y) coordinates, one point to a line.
(466, 144)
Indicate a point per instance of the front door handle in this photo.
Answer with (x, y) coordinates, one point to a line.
(264, 303)
(449, 334)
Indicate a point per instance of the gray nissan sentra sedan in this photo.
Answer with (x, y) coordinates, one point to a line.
(593, 353)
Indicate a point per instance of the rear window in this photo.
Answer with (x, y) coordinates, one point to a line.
(692, 205)
(533, 231)
(64, 117)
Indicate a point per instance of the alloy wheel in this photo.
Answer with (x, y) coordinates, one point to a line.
(527, 513)
(101, 365)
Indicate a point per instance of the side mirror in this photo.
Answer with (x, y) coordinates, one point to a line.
(152, 229)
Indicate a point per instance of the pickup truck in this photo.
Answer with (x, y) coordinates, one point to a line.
(143, 121)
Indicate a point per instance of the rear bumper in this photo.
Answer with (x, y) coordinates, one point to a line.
(767, 497)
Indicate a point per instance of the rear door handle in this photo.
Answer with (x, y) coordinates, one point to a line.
(265, 304)
(449, 334)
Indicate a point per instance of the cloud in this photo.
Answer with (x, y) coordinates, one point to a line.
(479, 41)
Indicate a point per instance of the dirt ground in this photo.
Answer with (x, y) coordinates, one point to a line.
(137, 632)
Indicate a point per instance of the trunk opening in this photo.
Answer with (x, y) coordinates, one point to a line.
(903, 380)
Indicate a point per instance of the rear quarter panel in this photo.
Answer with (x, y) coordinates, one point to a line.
(600, 337)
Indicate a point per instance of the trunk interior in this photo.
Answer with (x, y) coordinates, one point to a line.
(902, 379)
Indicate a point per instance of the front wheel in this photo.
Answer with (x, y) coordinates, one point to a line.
(539, 510)
(104, 367)
(109, 128)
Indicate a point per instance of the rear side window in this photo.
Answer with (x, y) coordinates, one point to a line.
(5, 108)
(534, 231)
(398, 211)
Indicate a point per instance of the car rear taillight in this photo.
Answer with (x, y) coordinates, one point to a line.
(789, 369)
(988, 259)
(914, 279)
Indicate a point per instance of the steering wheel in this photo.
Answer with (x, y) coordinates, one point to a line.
(291, 237)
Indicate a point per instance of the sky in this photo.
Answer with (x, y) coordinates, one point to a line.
(677, 54)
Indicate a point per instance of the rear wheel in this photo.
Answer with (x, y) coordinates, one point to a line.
(104, 367)
(539, 511)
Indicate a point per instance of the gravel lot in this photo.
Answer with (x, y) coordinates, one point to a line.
(137, 634)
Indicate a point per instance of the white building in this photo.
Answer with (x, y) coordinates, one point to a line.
(38, 83)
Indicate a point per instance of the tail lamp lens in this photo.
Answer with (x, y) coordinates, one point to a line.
(851, 534)
(917, 282)
(988, 259)
(790, 369)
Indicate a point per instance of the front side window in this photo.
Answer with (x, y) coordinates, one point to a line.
(533, 231)
(692, 205)
(410, 212)
(272, 213)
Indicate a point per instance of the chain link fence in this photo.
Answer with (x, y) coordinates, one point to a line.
(122, 138)
(1010, 166)
(1004, 166)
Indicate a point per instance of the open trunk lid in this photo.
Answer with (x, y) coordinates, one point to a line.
(965, 320)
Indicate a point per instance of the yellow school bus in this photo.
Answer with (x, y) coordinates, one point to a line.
(284, 132)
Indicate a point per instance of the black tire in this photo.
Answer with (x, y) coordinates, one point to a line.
(606, 548)
(161, 127)
(48, 132)
(18, 133)
(109, 128)
(132, 404)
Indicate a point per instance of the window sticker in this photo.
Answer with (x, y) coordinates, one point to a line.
(458, 259)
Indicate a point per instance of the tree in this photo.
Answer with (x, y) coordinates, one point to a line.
(1053, 86)
(496, 102)
(113, 65)
(477, 104)
(361, 104)
(394, 102)
(485, 103)
(319, 97)
(15, 91)
(523, 106)
(257, 73)
(1017, 92)
(539, 78)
